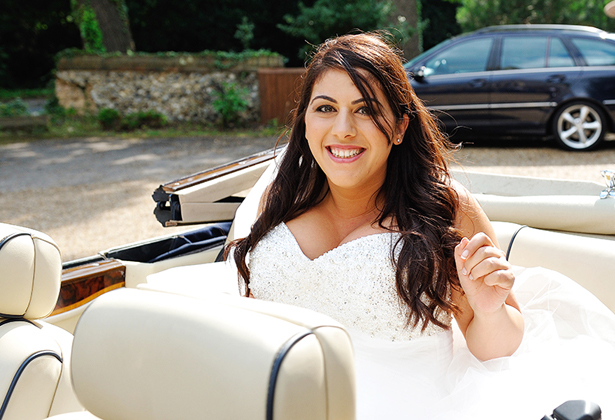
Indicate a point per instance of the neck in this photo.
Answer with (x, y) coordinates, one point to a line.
(360, 205)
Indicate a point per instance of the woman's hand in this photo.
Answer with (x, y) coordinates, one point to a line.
(484, 273)
(490, 320)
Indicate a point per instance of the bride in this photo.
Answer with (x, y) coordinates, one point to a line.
(364, 223)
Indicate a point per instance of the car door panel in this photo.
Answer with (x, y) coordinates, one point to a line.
(526, 89)
(521, 102)
(455, 83)
(462, 100)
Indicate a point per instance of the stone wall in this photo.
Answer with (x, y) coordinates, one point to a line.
(181, 88)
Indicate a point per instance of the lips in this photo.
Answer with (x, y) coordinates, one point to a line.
(346, 152)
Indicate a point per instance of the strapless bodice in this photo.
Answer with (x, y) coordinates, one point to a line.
(353, 283)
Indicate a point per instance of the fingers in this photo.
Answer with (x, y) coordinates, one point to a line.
(479, 258)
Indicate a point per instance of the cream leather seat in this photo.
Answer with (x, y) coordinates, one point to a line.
(586, 259)
(34, 356)
(141, 354)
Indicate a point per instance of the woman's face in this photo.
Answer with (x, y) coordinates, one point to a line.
(347, 145)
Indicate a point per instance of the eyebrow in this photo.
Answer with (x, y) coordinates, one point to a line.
(356, 101)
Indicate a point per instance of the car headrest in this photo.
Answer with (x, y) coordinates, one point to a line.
(30, 273)
(141, 354)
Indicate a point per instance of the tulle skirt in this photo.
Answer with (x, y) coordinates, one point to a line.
(567, 353)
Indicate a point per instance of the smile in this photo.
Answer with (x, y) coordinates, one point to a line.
(345, 153)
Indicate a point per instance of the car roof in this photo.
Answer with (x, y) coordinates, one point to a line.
(541, 27)
(527, 28)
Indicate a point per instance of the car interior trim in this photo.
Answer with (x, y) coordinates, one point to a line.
(275, 369)
(23, 366)
(7, 239)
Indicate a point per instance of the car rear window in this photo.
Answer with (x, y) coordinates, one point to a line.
(596, 52)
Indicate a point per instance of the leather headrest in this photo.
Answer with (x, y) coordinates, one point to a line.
(143, 354)
(30, 273)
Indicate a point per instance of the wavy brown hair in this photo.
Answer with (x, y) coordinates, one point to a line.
(417, 192)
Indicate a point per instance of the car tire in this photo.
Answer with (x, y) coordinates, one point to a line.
(579, 126)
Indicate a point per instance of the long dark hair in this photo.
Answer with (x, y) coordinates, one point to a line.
(416, 193)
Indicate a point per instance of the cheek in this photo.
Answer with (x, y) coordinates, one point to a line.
(314, 131)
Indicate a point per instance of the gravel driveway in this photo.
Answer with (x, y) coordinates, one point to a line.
(93, 194)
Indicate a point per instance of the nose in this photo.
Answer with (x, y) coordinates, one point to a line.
(343, 126)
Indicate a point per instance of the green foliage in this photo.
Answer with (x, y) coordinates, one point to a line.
(439, 20)
(85, 17)
(475, 14)
(231, 101)
(195, 25)
(216, 55)
(24, 93)
(31, 32)
(245, 32)
(143, 119)
(109, 119)
(13, 108)
(329, 18)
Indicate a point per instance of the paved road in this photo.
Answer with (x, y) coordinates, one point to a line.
(93, 194)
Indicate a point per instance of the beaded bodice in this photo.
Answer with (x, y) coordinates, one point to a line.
(353, 283)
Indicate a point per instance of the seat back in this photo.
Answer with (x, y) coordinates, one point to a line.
(142, 354)
(34, 378)
(585, 259)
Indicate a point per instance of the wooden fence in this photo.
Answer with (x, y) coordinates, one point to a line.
(279, 93)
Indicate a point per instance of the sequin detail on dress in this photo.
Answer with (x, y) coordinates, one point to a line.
(353, 283)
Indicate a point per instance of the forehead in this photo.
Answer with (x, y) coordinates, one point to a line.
(339, 81)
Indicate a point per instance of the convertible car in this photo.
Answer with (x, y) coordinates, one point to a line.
(157, 329)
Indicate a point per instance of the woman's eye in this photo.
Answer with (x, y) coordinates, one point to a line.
(364, 110)
(325, 108)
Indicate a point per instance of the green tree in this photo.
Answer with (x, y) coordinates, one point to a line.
(31, 33)
(439, 21)
(197, 25)
(245, 32)
(103, 25)
(329, 18)
(474, 14)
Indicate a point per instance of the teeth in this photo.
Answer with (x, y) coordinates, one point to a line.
(345, 153)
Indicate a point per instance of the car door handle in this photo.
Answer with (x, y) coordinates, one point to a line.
(556, 78)
(478, 83)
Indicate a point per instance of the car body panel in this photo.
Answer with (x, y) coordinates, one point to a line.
(529, 73)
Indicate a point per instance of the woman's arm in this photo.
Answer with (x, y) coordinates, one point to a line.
(489, 316)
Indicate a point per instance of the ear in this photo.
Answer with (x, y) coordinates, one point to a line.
(402, 126)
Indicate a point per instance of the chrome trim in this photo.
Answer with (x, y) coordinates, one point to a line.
(608, 102)
(555, 70)
(525, 105)
(458, 107)
(494, 106)
(470, 75)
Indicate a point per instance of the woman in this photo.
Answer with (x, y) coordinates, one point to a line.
(364, 224)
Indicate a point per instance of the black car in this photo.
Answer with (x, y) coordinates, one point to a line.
(522, 80)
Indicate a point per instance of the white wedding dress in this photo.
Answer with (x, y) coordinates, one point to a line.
(568, 350)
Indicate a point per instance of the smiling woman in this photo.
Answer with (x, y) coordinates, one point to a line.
(364, 223)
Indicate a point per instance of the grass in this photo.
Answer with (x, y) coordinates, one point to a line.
(74, 126)
(66, 124)
(7, 95)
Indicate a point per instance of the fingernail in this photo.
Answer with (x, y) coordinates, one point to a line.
(464, 271)
(471, 277)
(464, 254)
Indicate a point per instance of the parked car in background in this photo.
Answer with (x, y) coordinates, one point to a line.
(522, 80)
